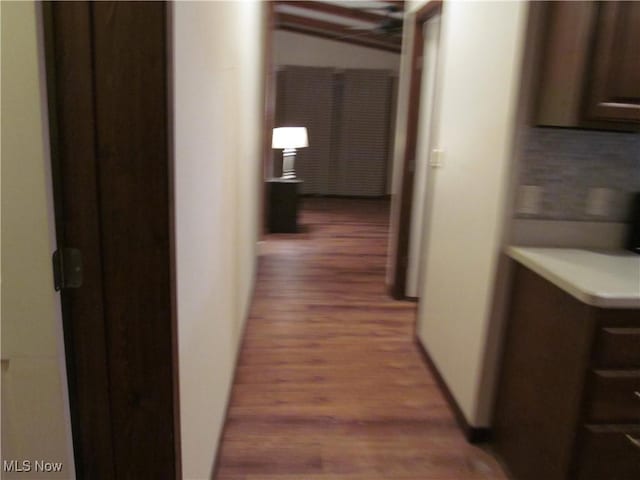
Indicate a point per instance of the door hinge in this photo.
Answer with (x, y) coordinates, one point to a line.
(67, 268)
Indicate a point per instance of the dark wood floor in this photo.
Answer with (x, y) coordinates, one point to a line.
(330, 384)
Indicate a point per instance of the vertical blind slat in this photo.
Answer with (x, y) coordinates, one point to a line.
(347, 115)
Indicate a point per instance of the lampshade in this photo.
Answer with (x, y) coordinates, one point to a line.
(289, 137)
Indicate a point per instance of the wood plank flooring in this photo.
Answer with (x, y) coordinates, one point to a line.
(330, 384)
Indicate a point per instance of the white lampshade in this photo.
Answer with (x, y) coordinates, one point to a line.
(290, 137)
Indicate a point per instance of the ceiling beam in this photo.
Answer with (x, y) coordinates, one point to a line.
(352, 13)
(311, 26)
(353, 41)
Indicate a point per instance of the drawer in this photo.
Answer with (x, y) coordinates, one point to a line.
(618, 347)
(609, 453)
(614, 397)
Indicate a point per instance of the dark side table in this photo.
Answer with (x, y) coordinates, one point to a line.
(283, 204)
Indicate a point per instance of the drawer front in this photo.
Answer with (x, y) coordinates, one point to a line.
(609, 453)
(615, 397)
(618, 347)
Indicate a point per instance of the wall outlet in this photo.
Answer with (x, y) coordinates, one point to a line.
(600, 201)
(529, 200)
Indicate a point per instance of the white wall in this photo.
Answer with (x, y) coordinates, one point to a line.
(482, 44)
(218, 108)
(292, 48)
(35, 410)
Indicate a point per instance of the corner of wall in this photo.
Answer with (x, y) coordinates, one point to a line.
(475, 128)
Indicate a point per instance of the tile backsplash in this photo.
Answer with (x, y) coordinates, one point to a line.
(583, 175)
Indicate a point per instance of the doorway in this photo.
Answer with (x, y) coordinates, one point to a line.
(419, 233)
(337, 76)
(411, 202)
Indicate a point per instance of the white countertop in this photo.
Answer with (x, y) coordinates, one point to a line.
(608, 279)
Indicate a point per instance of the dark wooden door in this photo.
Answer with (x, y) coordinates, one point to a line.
(107, 86)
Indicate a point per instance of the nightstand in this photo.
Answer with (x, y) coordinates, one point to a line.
(283, 204)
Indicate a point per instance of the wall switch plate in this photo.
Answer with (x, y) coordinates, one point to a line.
(600, 201)
(435, 160)
(529, 200)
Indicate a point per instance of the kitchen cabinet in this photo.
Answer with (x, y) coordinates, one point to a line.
(568, 398)
(590, 65)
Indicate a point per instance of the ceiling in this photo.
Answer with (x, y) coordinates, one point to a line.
(374, 24)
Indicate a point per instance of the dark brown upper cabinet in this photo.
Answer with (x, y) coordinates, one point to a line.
(590, 65)
(614, 92)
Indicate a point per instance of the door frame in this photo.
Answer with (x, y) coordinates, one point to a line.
(95, 430)
(269, 115)
(400, 259)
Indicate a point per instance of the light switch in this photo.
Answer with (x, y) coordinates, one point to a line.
(435, 160)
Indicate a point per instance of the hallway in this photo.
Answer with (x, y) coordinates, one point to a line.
(330, 384)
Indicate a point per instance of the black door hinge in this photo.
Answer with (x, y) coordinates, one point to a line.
(67, 268)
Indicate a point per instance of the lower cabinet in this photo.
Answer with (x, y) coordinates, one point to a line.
(609, 452)
(568, 399)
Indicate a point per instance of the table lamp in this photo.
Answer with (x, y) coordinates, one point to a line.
(289, 139)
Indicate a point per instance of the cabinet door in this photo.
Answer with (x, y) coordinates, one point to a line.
(567, 27)
(538, 405)
(614, 92)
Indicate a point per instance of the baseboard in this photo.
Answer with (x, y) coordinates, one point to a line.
(349, 197)
(472, 434)
(395, 293)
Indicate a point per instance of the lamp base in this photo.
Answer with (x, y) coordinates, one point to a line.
(288, 159)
